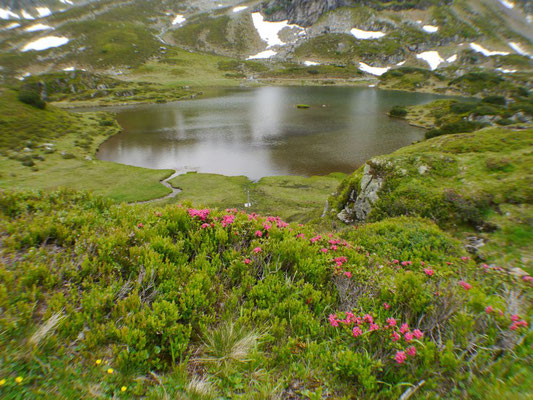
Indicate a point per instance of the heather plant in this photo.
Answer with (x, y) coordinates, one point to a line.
(183, 302)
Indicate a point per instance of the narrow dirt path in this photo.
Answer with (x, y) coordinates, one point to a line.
(165, 182)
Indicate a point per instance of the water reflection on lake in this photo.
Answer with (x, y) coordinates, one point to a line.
(260, 132)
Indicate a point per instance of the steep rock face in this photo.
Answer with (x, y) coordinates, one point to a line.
(307, 12)
(301, 12)
(360, 203)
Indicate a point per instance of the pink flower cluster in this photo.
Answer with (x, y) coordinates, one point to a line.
(279, 222)
(465, 285)
(487, 268)
(202, 214)
(366, 324)
(517, 322)
(315, 239)
(401, 356)
(340, 260)
(227, 220)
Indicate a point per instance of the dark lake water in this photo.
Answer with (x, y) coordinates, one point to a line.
(260, 132)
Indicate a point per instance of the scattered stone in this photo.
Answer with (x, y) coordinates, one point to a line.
(423, 169)
(474, 243)
(518, 272)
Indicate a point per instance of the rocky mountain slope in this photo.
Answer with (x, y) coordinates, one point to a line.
(453, 37)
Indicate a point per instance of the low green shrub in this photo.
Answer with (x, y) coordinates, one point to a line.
(398, 111)
(31, 95)
(207, 303)
(455, 127)
(497, 100)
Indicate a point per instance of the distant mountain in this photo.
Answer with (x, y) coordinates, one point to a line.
(375, 36)
(33, 9)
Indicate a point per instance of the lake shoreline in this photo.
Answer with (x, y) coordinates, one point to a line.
(360, 130)
(260, 82)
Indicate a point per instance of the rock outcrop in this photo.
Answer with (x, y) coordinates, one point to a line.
(307, 12)
(300, 12)
(360, 203)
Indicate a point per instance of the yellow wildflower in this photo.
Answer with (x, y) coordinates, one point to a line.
(98, 362)
(110, 371)
(2, 382)
(18, 379)
(123, 388)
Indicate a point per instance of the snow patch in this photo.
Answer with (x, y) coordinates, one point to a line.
(21, 78)
(239, 9)
(430, 28)
(372, 70)
(263, 55)
(433, 58)
(506, 71)
(310, 63)
(69, 69)
(269, 31)
(452, 58)
(26, 15)
(516, 47)
(12, 26)
(506, 3)
(43, 11)
(67, 2)
(401, 63)
(364, 35)
(487, 53)
(178, 20)
(8, 14)
(46, 43)
(38, 27)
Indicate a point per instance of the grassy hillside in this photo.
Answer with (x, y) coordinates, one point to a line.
(227, 35)
(472, 184)
(103, 301)
(50, 148)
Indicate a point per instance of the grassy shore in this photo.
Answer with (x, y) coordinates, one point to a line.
(294, 198)
(51, 148)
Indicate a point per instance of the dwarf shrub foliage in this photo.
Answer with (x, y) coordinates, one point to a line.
(125, 299)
